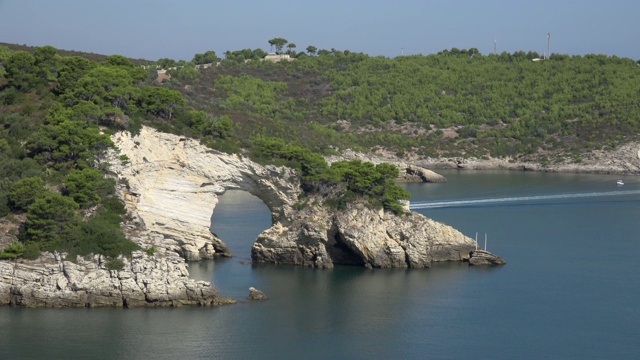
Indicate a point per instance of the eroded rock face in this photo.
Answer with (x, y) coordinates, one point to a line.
(412, 173)
(170, 186)
(361, 236)
(174, 183)
(52, 281)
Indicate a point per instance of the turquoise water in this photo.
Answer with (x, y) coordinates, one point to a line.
(570, 288)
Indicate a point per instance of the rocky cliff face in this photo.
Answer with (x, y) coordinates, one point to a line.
(171, 185)
(174, 183)
(319, 237)
(52, 281)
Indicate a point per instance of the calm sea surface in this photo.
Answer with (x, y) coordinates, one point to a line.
(570, 289)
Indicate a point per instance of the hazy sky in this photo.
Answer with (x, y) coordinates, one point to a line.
(153, 29)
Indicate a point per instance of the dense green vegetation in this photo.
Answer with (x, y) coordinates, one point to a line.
(56, 114)
(57, 110)
(341, 183)
(455, 103)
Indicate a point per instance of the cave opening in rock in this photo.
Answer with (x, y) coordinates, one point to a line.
(238, 219)
(340, 252)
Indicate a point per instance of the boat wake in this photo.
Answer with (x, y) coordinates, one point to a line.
(496, 201)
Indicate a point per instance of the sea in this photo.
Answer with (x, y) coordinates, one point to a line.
(570, 288)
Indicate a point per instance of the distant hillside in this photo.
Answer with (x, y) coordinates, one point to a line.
(90, 56)
(455, 103)
(58, 108)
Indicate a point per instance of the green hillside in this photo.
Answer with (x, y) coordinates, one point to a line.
(57, 110)
(449, 104)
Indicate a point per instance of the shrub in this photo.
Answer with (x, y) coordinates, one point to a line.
(31, 251)
(300, 205)
(375, 183)
(4, 204)
(88, 186)
(25, 192)
(152, 250)
(12, 251)
(106, 237)
(50, 220)
(114, 264)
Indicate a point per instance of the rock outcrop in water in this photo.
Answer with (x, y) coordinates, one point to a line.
(414, 173)
(170, 186)
(173, 187)
(255, 294)
(319, 237)
(483, 257)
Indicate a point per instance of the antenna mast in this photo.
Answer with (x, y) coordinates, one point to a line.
(548, 45)
(495, 42)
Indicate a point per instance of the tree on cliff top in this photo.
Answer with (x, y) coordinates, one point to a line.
(311, 49)
(279, 43)
(343, 181)
(374, 183)
(207, 58)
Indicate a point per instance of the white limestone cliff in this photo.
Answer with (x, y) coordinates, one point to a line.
(170, 186)
(173, 187)
(174, 183)
(144, 280)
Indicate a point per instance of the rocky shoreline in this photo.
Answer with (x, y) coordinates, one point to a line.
(144, 281)
(170, 186)
(624, 160)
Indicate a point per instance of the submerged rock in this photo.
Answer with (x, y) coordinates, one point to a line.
(483, 257)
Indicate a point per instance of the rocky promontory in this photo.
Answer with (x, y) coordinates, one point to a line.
(170, 186)
(173, 185)
(144, 280)
(483, 257)
(361, 236)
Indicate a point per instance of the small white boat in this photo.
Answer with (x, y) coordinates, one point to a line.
(620, 182)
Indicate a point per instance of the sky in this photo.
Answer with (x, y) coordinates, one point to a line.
(153, 29)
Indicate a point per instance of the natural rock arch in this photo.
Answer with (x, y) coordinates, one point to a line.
(173, 183)
(170, 185)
